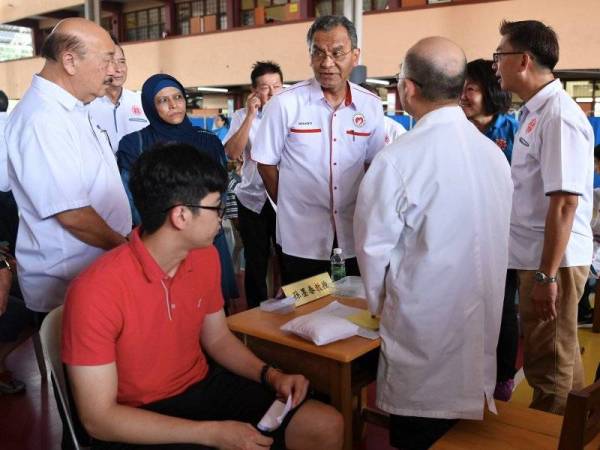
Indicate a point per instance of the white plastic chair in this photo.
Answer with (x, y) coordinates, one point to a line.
(50, 336)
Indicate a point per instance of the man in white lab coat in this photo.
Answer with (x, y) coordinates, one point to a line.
(431, 233)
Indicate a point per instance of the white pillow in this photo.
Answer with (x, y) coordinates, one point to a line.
(321, 327)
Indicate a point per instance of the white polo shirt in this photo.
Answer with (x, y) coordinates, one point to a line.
(553, 151)
(393, 130)
(251, 190)
(321, 154)
(124, 117)
(57, 161)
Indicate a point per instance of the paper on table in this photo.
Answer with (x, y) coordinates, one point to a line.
(364, 319)
(274, 416)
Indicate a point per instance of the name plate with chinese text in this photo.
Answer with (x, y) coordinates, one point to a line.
(309, 289)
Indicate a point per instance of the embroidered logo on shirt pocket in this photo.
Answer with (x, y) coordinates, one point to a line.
(305, 130)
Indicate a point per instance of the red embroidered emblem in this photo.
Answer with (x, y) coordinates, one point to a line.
(531, 125)
(136, 110)
(358, 120)
(501, 143)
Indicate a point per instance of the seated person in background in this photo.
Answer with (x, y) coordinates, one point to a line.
(221, 126)
(141, 322)
(164, 103)
(486, 105)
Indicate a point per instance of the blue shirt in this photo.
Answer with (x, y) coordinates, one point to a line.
(502, 131)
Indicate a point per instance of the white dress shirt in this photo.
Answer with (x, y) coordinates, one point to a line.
(553, 151)
(321, 154)
(57, 161)
(124, 117)
(431, 229)
(250, 191)
(393, 130)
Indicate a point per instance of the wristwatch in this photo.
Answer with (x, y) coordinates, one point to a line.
(4, 264)
(542, 278)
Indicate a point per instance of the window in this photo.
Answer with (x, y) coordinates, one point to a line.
(145, 24)
(272, 13)
(375, 5)
(187, 12)
(326, 7)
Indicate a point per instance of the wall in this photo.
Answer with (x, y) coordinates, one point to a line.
(11, 10)
(224, 59)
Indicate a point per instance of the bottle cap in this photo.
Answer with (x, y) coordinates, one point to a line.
(337, 251)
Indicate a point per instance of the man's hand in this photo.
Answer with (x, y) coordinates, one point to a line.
(233, 435)
(544, 297)
(285, 385)
(252, 104)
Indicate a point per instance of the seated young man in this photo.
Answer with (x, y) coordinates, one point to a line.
(141, 321)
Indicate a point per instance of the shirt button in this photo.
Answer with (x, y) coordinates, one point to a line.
(334, 140)
(335, 187)
(335, 212)
(335, 164)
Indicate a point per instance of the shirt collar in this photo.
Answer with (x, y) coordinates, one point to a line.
(50, 89)
(443, 114)
(542, 96)
(316, 93)
(152, 271)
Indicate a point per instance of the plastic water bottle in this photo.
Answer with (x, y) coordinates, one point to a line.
(338, 265)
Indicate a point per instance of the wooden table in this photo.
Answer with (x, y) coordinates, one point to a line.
(340, 369)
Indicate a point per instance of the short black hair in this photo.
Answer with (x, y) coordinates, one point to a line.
(58, 42)
(495, 100)
(328, 23)
(172, 173)
(3, 102)
(260, 68)
(435, 83)
(534, 37)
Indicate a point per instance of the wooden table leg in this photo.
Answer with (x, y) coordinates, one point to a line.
(341, 397)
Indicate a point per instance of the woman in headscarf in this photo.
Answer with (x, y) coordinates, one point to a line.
(164, 103)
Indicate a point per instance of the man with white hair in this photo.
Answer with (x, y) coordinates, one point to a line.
(61, 169)
(432, 255)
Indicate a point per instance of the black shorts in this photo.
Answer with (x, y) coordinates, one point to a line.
(221, 395)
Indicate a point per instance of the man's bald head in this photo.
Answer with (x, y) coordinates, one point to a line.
(438, 66)
(74, 35)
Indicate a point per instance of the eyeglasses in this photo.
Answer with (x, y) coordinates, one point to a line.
(220, 208)
(398, 78)
(496, 56)
(319, 55)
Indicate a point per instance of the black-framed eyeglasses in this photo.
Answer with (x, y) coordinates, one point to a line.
(496, 56)
(398, 78)
(220, 208)
(319, 55)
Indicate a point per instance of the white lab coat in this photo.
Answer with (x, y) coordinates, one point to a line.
(431, 230)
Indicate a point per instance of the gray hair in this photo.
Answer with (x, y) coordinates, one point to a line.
(58, 42)
(328, 23)
(436, 83)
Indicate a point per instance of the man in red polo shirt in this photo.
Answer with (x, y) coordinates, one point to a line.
(139, 321)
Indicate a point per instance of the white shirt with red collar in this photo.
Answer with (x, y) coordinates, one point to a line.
(553, 152)
(117, 120)
(321, 154)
